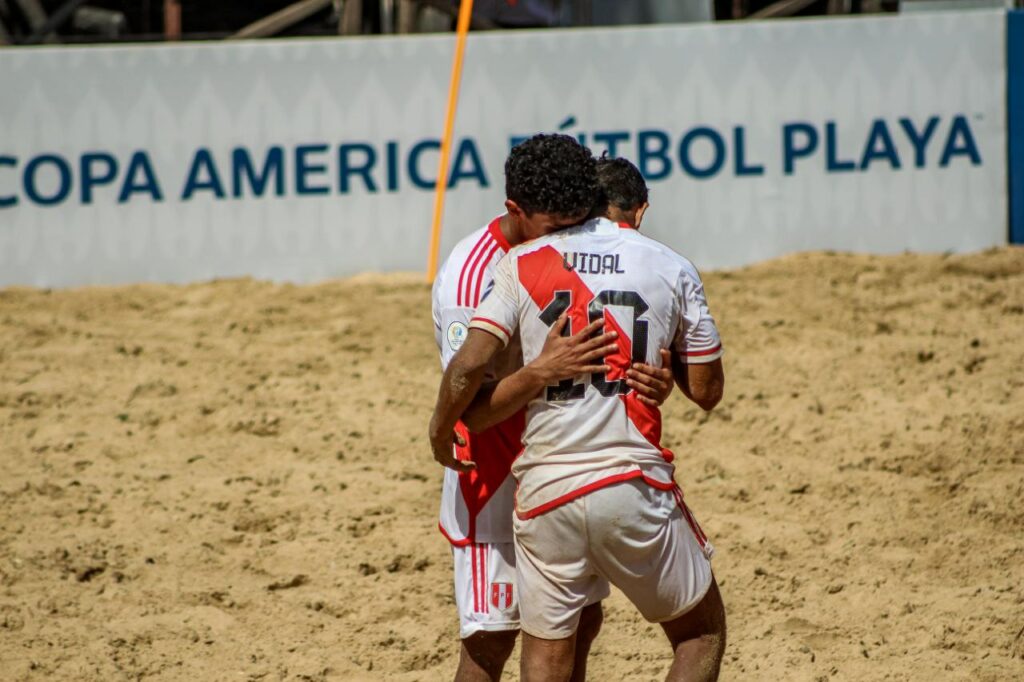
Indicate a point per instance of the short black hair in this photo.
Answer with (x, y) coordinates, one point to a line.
(552, 174)
(621, 183)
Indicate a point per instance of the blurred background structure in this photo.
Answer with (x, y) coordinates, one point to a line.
(28, 22)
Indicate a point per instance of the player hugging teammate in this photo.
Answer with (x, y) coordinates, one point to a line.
(589, 304)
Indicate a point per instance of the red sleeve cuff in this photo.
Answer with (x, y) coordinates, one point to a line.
(491, 327)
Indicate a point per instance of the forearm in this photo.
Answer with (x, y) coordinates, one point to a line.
(459, 385)
(704, 384)
(507, 397)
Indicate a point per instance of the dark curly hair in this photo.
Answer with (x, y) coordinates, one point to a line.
(552, 174)
(621, 183)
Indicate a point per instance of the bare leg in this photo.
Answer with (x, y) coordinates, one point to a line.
(483, 655)
(698, 640)
(590, 624)
(547, 660)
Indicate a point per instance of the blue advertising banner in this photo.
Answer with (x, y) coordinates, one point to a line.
(1015, 121)
(299, 160)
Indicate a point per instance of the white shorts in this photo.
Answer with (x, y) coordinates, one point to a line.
(641, 539)
(485, 592)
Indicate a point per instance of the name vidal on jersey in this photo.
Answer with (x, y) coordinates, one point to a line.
(592, 263)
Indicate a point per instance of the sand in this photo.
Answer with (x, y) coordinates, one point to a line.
(230, 480)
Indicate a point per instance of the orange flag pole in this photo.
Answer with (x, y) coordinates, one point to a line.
(462, 29)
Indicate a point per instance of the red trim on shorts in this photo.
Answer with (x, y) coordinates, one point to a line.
(476, 597)
(484, 580)
(465, 266)
(695, 528)
(591, 487)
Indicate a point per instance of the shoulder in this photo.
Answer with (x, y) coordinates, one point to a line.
(659, 250)
(467, 247)
(467, 254)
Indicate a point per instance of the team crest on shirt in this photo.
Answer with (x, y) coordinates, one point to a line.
(456, 335)
(501, 595)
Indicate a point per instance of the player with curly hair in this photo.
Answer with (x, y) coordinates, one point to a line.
(551, 183)
(596, 501)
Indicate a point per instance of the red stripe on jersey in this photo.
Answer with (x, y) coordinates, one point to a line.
(495, 229)
(493, 450)
(476, 262)
(480, 274)
(454, 543)
(542, 273)
(647, 420)
(622, 359)
(465, 266)
(697, 353)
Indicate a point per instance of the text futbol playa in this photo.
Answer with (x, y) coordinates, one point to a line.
(699, 152)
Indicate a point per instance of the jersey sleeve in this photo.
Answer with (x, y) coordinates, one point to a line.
(498, 313)
(697, 340)
(451, 321)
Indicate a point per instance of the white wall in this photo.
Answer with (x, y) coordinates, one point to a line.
(151, 110)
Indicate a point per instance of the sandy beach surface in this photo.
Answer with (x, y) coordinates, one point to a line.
(231, 481)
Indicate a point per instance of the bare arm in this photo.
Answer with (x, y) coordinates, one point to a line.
(702, 383)
(460, 383)
(561, 358)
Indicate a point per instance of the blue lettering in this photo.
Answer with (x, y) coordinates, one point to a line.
(611, 141)
(10, 199)
(517, 140)
(346, 167)
(719, 157)
(89, 176)
(304, 168)
(968, 147)
(202, 163)
(920, 141)
(63, 171)
(392, 152)
(467, 150)
(790, 150)
(243, 171)
(739, 141)
(833, 164)
(880, 133)
(646, 153)
(149, 185)
(570, 122)
(413, 163)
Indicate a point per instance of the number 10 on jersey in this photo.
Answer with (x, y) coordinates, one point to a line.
(563, 301)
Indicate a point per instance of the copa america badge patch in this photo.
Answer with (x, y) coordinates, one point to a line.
(456, 335)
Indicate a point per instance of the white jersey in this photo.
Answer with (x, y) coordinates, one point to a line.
(592, 431)
(476, 507)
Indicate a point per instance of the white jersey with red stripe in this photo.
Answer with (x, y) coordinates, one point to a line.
(476, 506)
(592, 431)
